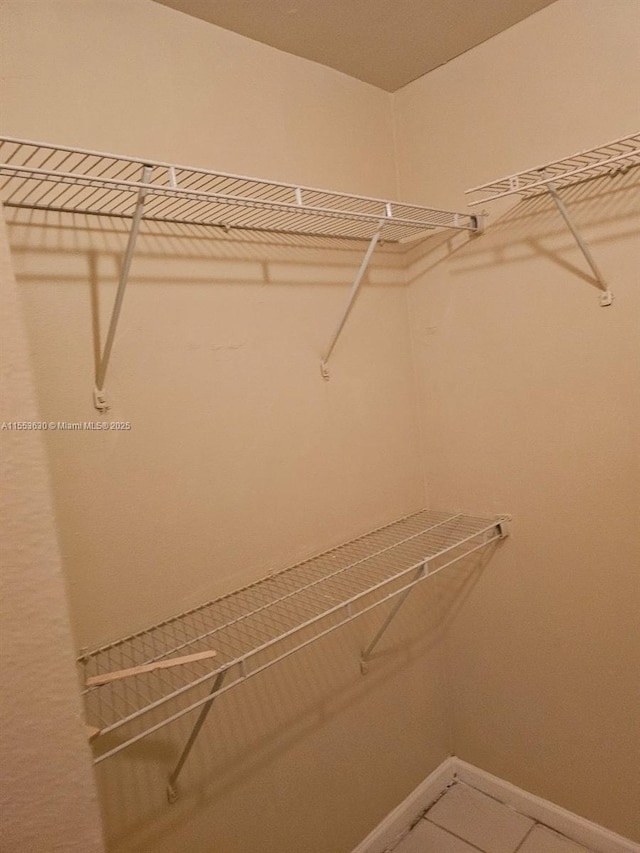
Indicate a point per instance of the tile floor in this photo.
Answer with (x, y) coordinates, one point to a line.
(464, 820)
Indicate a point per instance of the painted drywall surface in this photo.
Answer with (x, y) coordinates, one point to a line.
(529, 394)
(48, 794)
(307, 756)
(219, 304)
(133, 77)
(561, 81)
(208, 325)
(240, 458)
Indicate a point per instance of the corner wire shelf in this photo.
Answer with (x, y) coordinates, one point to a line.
(610, 159)
(42, 176)
(261, 624)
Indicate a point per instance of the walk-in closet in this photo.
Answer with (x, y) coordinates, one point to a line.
(320, 426)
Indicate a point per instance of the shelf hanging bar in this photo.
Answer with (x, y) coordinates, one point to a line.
(172, 791)
(98, 394)
(355, 287)
(365, 657)
(606, 297)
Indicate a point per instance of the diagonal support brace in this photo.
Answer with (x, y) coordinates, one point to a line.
(355, 287)
(607, 297)
(172, 791)
(99, 399)
(365, 657)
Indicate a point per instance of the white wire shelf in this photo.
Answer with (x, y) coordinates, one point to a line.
(261, 624)
(55, 178)
(43, 176)
(608, 159)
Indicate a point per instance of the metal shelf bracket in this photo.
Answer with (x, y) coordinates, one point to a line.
(606, 297)
(501, 528)
(503, 525)
(617, 156)
(172, 790)
(365, 657)
(355, 287)
(99, 399)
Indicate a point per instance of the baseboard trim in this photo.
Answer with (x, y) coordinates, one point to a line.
(398, 822)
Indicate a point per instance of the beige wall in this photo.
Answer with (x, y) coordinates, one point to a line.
(240, 459)
(137, 78)
(530, 403)
(48, 796)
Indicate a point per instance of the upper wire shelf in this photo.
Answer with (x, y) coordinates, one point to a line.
(43, 176)
(608, 159)
(261, 624)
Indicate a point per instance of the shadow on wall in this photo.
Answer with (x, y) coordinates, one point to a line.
(64, 249)
(253, 737)
(241, 458)
(266, 258)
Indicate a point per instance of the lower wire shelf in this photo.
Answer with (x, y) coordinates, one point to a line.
(138, 685)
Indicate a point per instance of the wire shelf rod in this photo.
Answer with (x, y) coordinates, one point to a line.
(264, 582)
(384, 530)
(627, 151)
(156, 727)
(166, 167)
(308, 623)
(447, 219)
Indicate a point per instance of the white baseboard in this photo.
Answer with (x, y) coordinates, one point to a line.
(398, 822)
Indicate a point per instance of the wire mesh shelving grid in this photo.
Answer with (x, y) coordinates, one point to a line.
(609, 159)
(261, 624)
(44, 176)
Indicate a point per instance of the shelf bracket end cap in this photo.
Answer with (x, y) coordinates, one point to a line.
(99, 400)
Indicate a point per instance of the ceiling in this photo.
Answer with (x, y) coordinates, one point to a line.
(387, 43)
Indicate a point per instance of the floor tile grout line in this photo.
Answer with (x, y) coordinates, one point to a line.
(561, 835)
(449, 787)
(496, 800)
(455, 835)
(458, 781)
(455, 782)
(527, 834)
(555, 831)
(517, 811)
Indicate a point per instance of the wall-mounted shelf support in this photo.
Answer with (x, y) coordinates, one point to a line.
(99, 399)
(355, 287)
(607, 297)
(365, 657)
(423, 571)
(172, 791)
(610, 159)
